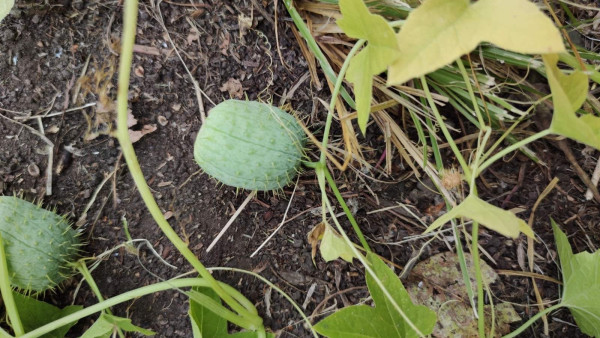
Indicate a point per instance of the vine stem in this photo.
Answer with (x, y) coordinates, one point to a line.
(322, 171)
(467, 80)
(512, 148)
(7, 296)
(532, 320)
(87, 275)
(440, 121)
(128, 39)
(477, 267)
(281, 292)
(124, 297)
(340, 199)
(370, 270)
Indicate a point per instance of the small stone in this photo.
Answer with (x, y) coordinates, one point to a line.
(297, 243)
(162, 120)
(33, 170)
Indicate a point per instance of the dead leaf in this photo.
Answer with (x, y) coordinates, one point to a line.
(225, 43)
(194, 35)
(314, 236)
(332, 246)
(139, 71)
(440, 287)
(131, 121)
(234, 88)
(136, 135)
(52, 129)
(244, 23)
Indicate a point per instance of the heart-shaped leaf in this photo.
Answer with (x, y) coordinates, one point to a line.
(568, 94)
(207, 324)
(333, 246)
(5, 7)
(381, 50)
(492, 217)
(581, 279)
(106, 325)
(440, 31)
(35, 313)
(382, 320)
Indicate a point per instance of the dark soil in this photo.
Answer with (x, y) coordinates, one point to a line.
(43, 52)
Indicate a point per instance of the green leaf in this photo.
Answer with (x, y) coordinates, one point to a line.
(581, 279)
(107, 324)
(440, 31)
(355, 321)
(382, 49)
(5, 7)
(207, 324)
(382, 320)
(568, 94)
(35, 313)
(333, 246)
(492, 217)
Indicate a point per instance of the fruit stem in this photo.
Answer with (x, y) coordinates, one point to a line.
(7, 296)
(128, 39)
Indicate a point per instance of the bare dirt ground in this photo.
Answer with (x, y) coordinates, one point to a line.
(57, 65)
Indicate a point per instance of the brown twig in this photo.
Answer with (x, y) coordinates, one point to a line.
(517, 186)
(564, 146)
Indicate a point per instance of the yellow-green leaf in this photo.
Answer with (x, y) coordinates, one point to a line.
(333, 246)
(568, 94)
(440, 31)
(492, 217)
(381, 321)
(381, 50)
(5, 7)
(581, 280)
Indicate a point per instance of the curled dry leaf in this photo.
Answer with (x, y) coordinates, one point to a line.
(139, 71)
(136, 135)
(131, 121)
(234, 88)
(194, 35)
(244, 23)
(52, 129)
(313, 239)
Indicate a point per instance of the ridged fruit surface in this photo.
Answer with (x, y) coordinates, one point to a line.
(250, 145)
(39, 244)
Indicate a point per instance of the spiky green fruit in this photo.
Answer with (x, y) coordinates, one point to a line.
(39, 245)
(250, 145)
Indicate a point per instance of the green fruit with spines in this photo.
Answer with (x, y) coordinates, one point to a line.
(250, 145)
(40, 245)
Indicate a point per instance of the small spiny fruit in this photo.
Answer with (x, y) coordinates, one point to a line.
(451, 178)
(39, 244)
(250, 145)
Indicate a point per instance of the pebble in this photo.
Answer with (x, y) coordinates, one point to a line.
(33, 170)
